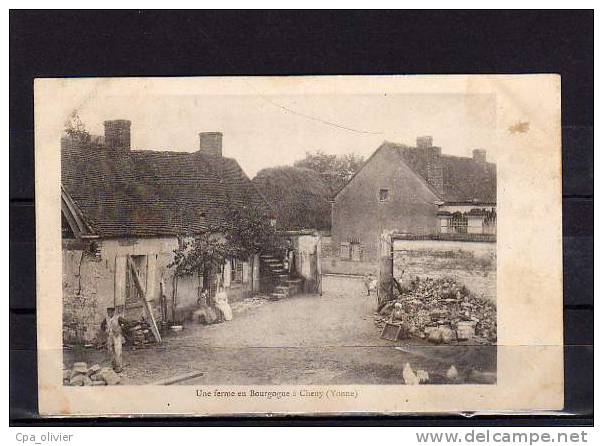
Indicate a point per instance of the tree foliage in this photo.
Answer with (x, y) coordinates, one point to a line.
(241, 233)
(300, 197)
(75, 128)
(335, 169)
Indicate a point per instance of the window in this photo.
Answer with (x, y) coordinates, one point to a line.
(383, 194)
(356, 252)
(458, 223)
(344, 252)
(236, 271)
(351, 250)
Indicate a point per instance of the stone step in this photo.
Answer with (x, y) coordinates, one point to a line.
(277, 296)
(271, 261)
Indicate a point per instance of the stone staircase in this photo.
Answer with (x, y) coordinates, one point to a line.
(279, 284)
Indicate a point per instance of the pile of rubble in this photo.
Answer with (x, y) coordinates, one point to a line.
(138, 333)
(441, 311)
(82, 375)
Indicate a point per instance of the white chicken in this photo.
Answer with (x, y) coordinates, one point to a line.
(423, 376)
(410, 377)
(370, 281)
(452, 374)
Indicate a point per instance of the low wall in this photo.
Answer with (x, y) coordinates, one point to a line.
(471, 263)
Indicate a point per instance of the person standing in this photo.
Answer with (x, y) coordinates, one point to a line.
(112, 326)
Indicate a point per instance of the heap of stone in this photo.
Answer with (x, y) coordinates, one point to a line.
(441, 311)
(138, 332)
(82, 375)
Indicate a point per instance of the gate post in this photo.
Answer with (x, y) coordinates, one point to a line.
(386, 268)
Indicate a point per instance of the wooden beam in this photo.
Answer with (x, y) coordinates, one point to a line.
(145, 303)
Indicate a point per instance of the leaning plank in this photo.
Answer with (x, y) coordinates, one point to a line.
(398, 286)
(147, 307)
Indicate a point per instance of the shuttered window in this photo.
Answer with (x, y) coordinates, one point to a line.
(344, 251)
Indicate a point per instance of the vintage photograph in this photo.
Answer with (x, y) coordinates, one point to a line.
(298, 245)
(279, 239)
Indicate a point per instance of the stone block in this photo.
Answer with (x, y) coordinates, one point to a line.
(434, 335)
(109, 376)
(78, 380)
(465, 331)
(447, 334)
(93, 369)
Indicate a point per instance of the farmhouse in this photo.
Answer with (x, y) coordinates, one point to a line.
(126, 211)
(413, 191)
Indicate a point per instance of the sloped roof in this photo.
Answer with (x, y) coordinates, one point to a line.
(300, 197)
(464, 179)
(150, 193)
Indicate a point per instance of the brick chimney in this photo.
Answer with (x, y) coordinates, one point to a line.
(210, 143)
(423, 142)
(117, 134)
(432, 156)
(479, 156)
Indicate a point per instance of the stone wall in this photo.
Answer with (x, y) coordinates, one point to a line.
(91, 284)
(81, 301)
(471, 263)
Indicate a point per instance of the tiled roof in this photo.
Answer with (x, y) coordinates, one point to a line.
(468, 181)
(464, 179)
(150, 193)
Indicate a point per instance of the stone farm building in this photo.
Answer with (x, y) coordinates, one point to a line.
(416, 192)
(121, 205)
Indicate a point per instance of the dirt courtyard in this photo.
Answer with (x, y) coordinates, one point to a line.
(304, 339)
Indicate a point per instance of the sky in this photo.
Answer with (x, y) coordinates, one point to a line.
(265, 131)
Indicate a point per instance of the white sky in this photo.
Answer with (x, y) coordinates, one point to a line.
(264, 131)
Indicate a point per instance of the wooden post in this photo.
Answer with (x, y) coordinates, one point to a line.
(148, 311)
(386, 269)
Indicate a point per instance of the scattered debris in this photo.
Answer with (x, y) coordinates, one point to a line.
(82, 375)
(441, 311)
